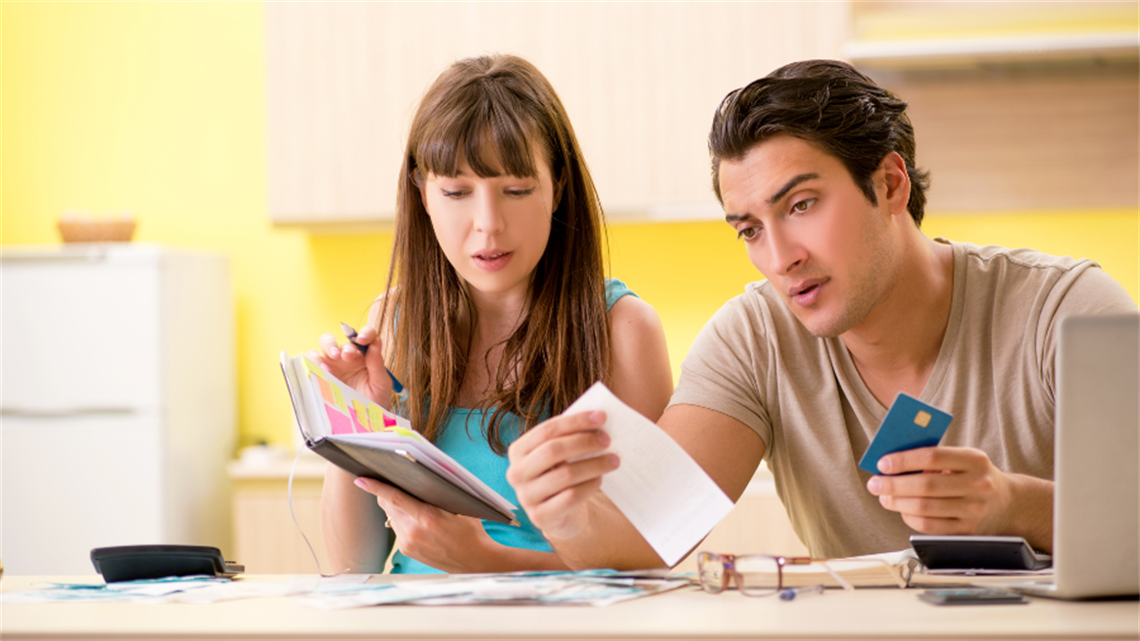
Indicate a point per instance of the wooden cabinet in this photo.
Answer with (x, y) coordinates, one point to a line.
(640, 81)
(1017, 106)
(266, 538)
(1026, 138)
(267, 541)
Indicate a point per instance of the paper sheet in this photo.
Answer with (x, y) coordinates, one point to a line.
(671, 501)
(586, 587)
(167, 590)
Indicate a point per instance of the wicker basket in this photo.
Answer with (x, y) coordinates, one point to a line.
(96, 231)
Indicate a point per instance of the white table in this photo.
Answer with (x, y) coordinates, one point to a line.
(687, 613)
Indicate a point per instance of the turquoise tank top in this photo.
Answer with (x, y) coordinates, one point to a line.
(464, 441)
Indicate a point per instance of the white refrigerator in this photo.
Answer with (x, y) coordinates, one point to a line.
(117, 402)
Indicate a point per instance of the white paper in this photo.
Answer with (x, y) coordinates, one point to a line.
(671, 501)
(587, 587)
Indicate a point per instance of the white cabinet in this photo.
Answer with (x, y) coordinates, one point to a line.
(117, 402)
(640, 82)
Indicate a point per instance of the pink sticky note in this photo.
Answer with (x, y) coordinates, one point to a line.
(340, 423)
(389, 421)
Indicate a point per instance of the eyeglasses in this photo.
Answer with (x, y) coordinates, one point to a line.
(764, 574)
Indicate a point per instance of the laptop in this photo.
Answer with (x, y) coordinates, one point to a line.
(1096, 500)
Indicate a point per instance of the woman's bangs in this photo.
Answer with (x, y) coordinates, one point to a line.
(492, 140)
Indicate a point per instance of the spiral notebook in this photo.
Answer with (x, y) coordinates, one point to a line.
(362, 438)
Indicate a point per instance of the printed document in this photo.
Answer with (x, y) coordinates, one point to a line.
(671, 501)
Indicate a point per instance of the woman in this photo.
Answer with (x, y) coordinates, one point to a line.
(497, 316)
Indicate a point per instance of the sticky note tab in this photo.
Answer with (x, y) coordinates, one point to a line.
(359, 416)
(389, 421)
(375, 418)
(326, 391)
(339, 423)
(314, 368)
(338, 399)
(403, 431)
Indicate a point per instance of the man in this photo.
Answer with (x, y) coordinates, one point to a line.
(815, 168)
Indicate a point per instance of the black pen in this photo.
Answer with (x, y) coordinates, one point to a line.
(350, 334)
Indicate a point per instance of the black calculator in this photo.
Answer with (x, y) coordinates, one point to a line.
(135, 562)
(978, 553)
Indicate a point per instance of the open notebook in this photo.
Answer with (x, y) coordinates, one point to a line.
(364, 439)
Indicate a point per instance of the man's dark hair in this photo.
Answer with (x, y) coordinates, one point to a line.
(828, 103)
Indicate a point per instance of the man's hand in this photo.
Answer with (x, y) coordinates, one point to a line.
(960, 491)
(555, 468)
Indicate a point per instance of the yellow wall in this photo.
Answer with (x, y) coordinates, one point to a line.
(157, 108)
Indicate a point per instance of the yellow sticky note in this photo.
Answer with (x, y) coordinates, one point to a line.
(403, 431)
(339, 397)
(314, 368)
(361, 414)
(375, 418)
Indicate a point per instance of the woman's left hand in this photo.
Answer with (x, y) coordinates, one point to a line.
(432, 536)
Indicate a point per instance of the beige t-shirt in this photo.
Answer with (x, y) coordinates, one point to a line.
(755, 362)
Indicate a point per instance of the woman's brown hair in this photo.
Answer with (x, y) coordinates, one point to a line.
(493, 112)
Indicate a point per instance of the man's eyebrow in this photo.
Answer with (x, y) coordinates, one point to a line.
(775, 198)
(790, 185)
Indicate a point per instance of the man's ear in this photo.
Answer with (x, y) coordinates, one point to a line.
(895, 183)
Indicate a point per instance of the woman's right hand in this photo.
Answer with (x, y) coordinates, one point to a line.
(365, 373)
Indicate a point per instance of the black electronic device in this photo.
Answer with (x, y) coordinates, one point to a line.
(135, 562)
(978, 553)
(972, 596)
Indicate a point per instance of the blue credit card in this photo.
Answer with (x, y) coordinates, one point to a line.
(910, 423)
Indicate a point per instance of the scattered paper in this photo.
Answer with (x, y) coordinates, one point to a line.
(335, 578)
(588, 587)
(671, 501)
(185, 589)
(150, 590)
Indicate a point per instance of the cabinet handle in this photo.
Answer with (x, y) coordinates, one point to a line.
(64, 412)
(83, 252)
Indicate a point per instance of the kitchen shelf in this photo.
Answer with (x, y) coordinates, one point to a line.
(979, 51)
